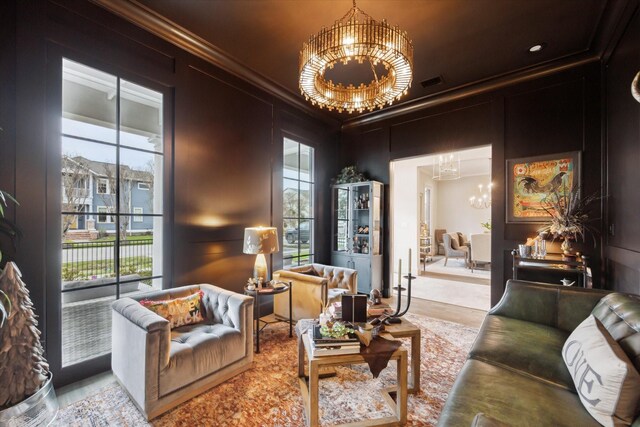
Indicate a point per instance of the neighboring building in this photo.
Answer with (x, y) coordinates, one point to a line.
(89, 186)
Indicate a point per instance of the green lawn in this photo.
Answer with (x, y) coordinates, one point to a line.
(87, 270)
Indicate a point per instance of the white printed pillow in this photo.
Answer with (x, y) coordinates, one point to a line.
(606, 381)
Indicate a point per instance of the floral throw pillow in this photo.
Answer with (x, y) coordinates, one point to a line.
(179, 311)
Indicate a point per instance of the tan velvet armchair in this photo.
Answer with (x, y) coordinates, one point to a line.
(313, 286)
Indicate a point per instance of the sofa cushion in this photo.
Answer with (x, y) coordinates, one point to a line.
(197, 351)
(620, 314)
(455, 241)
(308, 269)
(532, 348)
(510, 398)
(180, 311)
(607, 383)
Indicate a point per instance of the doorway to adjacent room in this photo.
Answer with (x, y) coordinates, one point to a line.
(441, 210)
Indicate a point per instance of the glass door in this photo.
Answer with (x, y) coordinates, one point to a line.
(341, 236)
(360, 225)
(111, 220)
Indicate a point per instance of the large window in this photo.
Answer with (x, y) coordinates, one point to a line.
(297, 197)
(111, 228)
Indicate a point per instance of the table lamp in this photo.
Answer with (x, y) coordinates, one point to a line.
(259, 241)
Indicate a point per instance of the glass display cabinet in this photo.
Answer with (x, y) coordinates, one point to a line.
(357, 231)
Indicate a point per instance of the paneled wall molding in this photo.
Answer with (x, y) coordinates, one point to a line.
(471, 89)
(623, 256)
(160, 26)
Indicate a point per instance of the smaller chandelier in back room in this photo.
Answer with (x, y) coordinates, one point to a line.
(483, 199)
(446, 167)
(364, 39)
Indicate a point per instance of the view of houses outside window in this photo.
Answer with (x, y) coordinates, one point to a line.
(297, 197)
(111, 202)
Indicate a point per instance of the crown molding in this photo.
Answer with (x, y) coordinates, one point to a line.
(471, 89)
(156, 24)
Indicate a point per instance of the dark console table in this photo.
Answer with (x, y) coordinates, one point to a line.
(552, 269)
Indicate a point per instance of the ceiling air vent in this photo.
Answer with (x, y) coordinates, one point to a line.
(431, 82)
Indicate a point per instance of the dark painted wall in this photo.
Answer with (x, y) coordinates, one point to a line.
(549, 115)
(226, 141)
(623, 155)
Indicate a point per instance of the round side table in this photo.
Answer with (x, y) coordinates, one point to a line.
(266, 291)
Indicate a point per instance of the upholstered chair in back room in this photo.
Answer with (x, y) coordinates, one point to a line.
(480, 249)
(453, 248)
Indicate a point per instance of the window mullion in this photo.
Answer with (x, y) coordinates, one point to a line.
(116, 255)
(299, 203)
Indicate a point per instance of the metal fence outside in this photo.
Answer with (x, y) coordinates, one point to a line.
(94, 260)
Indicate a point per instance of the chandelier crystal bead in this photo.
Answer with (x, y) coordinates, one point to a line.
(363, 40)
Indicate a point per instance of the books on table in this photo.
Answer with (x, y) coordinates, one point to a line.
(326, 346)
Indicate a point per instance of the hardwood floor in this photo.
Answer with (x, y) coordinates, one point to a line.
(437, 310)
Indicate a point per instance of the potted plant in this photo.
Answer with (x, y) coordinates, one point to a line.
(28, 397)
(486, 226)
(569, 216)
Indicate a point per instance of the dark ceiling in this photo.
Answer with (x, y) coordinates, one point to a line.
(464, 41)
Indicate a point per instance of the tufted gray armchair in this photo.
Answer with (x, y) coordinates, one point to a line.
(313, 286)
(161, 368)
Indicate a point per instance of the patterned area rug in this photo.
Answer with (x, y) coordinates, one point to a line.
(269, 394)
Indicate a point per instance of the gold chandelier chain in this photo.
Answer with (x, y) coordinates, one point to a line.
(352, 12)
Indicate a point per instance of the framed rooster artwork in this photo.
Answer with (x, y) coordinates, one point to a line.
(531, 179)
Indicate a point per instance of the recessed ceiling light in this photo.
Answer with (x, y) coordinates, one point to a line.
(537, 47)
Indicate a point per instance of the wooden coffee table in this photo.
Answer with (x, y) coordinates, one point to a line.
(406, 329)
(310, 392)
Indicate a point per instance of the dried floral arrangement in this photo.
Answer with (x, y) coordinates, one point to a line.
(570, 215)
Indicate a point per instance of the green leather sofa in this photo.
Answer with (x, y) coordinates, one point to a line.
(515, 374)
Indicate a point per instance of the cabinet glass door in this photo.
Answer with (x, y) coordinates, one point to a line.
(375, 228)
(341, 239)
(360, 208)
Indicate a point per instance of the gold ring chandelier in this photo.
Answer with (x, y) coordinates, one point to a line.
(349, 39)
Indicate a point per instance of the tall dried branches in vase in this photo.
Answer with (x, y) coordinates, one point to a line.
(569, 216)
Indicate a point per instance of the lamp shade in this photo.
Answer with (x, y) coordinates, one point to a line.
(260, 240)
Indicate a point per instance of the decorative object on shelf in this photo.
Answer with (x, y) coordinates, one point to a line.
(447, 167)
(486, 225)
(259, 241)
(635, 87)
(361, 201)
(375, 296)
(539, 247)
(569, 216)
(350, 174)
(356, 36)
(530, 180)
(524, 251)
(483, 199)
